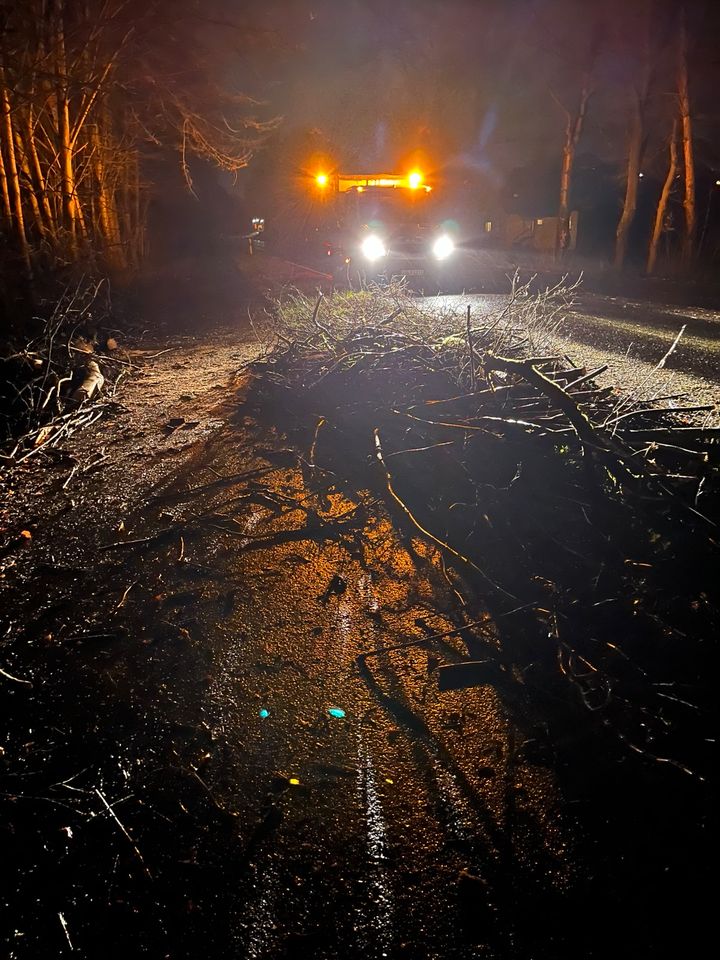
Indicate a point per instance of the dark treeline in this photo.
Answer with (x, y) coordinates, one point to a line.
(536, 106)
(90, 90)
(87, 91)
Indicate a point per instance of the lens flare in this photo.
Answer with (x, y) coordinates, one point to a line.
(373, 248)
(443, 247)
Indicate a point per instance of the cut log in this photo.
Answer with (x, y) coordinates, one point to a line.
(92, 383)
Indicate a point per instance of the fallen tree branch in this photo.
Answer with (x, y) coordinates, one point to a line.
(92, 383)
(442, 544)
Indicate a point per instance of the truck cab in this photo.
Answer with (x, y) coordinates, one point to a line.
(386, 227)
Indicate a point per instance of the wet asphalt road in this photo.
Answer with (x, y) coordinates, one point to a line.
(186, 683)
(632, 336)
(175, 783)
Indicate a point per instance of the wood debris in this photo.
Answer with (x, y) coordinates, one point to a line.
(584, 521)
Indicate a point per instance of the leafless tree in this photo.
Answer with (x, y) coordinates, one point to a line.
(662, 208)
(686, 133)
(641, 37)
(85, 90)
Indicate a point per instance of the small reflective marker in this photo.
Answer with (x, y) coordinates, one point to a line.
(264, 714)
(294, 782)
(336, 712)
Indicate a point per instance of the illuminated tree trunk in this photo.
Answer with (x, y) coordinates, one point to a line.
(573, 132)
(7, 209)
(37, 176)
(631, 187)
(13, 178)
(663, 201)
(29, 188)
(67, 178)
(687, 145)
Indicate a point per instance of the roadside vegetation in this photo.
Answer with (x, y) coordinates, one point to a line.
(92, 95)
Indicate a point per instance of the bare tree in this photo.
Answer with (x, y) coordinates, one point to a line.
(85, 90)
(686, 130)
(661, 211)
(573, 131)
(637, 136)
(575, 56)
(11, 175)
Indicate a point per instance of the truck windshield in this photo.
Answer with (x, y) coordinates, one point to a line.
(388, 205)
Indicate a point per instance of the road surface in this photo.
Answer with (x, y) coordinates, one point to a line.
(199, 766)
(632, 337)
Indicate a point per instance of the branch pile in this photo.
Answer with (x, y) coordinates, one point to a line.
(59, 381)
(585, 522)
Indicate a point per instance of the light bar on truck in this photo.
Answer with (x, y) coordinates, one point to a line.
(360, 181)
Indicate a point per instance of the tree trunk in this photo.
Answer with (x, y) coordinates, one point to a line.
(13, 178)
(636, 140)
(663, 201)
(67, 178)
(687, 144)
(631, 186)
(29, 185)
(573, 132)
(139, 215)
(7, 209)
(36, 173)
(107, 215)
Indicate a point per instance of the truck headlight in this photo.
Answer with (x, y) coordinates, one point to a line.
(443, 247)
(373, 248)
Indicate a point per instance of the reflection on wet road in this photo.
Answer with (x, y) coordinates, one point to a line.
(378, 817)
(375, 919)
(632, 336)
(280, 795)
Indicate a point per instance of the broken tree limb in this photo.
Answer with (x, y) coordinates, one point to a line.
(315, 320)
(124, 831)
(522, 477)
(591, 439)
(591, 375)
(661, 412)
(92, 382)
(672, 347)
(528, 370)
(10, 676)
(420, 641)
(446, 547)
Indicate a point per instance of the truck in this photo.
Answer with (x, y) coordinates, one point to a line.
(380, 227)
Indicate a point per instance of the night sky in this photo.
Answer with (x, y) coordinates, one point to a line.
(476, 92)
(469, 80)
